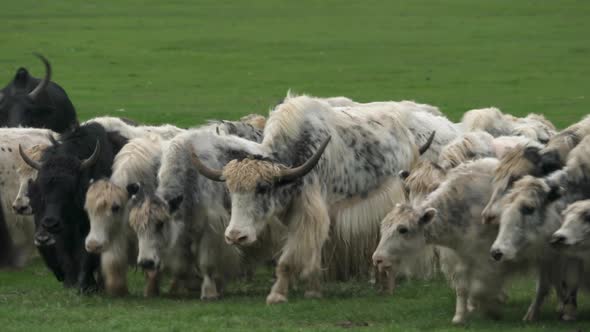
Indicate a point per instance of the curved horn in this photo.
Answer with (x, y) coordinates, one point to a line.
(210, 173)
(426, 145)
(43, 84)
(27, 159)
(90, 161)
(53, 141)
(297, 172)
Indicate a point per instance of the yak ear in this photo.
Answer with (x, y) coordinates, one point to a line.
(132, 189)
(427, 216)
(403, 174)
(21, 79)
(532, 154)
(174, 203)
(555, 192)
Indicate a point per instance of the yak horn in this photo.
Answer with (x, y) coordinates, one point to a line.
(34, 164)
(426, 145)
(43, 84)
(53, 141)
(210, 173)
(1, 96)
(291, 174)
(90, 161)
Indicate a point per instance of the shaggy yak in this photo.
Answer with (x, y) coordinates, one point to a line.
(330, 176)
(57, 198)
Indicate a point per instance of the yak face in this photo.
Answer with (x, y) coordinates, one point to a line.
(518, 162)
(574, 234)
(260, 189)
(106, 205)
(27, 175)
(54, 191)
(256, 198)
(402, 234)
(156, 230)
(523, 222)
(58, 192)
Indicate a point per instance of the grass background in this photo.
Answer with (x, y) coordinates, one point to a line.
(182, 62)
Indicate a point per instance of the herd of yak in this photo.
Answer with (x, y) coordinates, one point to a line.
(322, 188)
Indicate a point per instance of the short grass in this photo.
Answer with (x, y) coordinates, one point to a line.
(186, 61)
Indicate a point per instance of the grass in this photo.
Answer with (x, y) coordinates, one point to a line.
(186, 61)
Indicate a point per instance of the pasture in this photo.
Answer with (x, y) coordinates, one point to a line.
(183, 62)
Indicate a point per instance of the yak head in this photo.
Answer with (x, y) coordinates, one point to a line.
(516, 163)
(157, 231)
(260, 189)
(24, 104)
(574, 234)
(106, 206)
(56, 192)
(26, 175)
(526, 217)
(402, 234)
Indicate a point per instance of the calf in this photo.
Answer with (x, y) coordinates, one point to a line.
(107, 205)
(448, 217)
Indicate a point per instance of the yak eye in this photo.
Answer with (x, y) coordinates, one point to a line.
(115, 208)
(263, 188)
(587, 218)
(526, 209)
(402, 229)
(159, 227)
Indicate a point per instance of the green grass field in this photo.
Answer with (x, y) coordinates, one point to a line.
(183, 62)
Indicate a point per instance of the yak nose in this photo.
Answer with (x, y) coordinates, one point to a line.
(489, 219)
(44, 239)
(52, 224)
(496, 254)
(557, 240)
(147, 264)
(93, 246)
(236, 237)
(19, 209)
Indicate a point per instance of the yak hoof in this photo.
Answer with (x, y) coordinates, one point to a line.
(458, 319)
(569, 313)
(275, 298)
(312, 294)
(88, 289)
(209, 297)
(530, 316)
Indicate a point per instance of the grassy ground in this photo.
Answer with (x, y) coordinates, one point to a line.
(186, 61)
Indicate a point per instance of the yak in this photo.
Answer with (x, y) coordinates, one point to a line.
(57, 198)
(39, 103)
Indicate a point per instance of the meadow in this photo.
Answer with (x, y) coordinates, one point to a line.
(183, 62)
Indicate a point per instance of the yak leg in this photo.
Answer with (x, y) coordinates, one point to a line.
(543, 287)
(309, 224)
(209, 288)
(152, 283)
(7, 251)
(279, 290)
(114, 270)
(573, 271)
(86, 281)
(461, 283)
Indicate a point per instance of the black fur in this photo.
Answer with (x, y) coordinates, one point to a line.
(57, 198)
